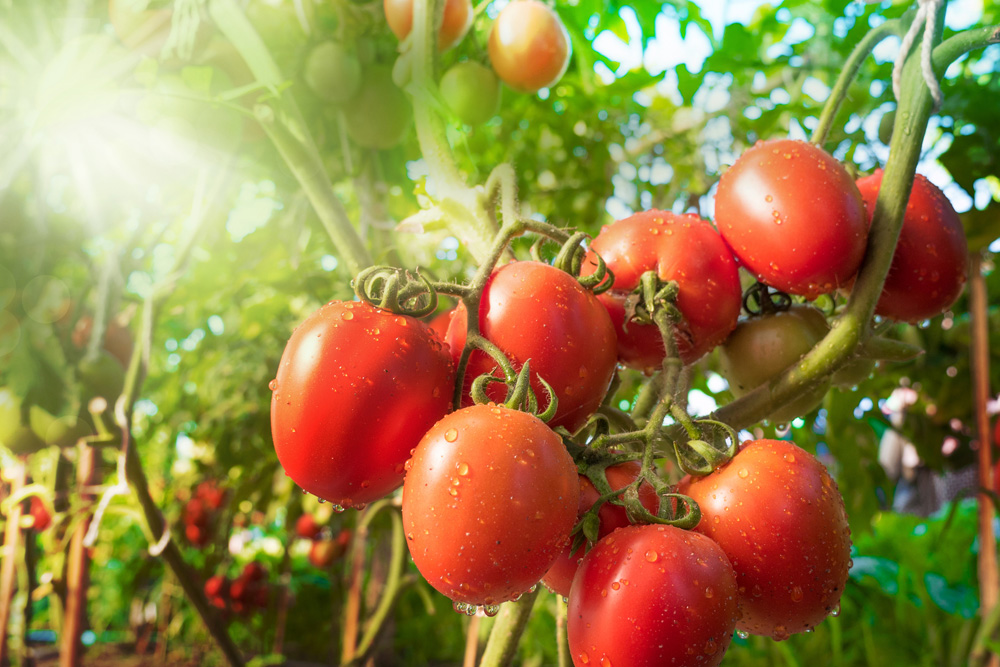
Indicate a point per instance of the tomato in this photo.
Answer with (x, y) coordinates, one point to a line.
(777, 513)
(683, 248)
(535, 311)
(333, 72)
(379, 115)
(529, 46)
(323, 553)
(41, 519)
(471, 91)
(763, 346)
(306, 527)
(929, 267)
(457, 20)
(793, 216)
(654, 595)
(488, 503)
(440, 323)
(217, 590)
(356, 389)
(560, 575)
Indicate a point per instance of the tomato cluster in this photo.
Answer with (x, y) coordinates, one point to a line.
(201, 513)
(493, 416)
(248, 592)
(323, 550)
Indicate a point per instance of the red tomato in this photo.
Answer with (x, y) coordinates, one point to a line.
(488, 503)
(40, 514)
(683, 248)
(535, 311)
(306, 527)
(560, 575)
(323, 553)
(793, 216)
(356, 389)
(441, 322)
(650, 596)
(777, 513)
(529, 46)
(929, 267)
(457, 20)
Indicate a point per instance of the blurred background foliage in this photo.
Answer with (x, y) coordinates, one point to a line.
(122, 145)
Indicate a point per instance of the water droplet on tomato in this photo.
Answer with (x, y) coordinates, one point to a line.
(780, 633)
(742, 634)
(835, 611)
(796, 594)
(347, 315)
(615, 585)
(273, 384)
(709, 592)
(463, 468)
(451, 435)
(459, 607)
(491, 610)
(584, 658)
(711, 647)
(743, 473)
(652, 556)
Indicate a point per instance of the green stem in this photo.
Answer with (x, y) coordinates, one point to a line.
(465, 207)
(307, 167)
(847, 75)
(507, 630)
(290, 134)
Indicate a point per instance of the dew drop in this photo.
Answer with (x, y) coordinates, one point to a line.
(491, 610)
(347, 315)
(742, 634)
(337, 508)
(709, 592)
(652, 556)
(710, 647)
(533, 588)
(463, 469)
(451, 435)
(615, 585)
(459, 607)
(780, 633)
(743, 473)
(835, 611)
(796, 594)
(584, 658)
(273, 384)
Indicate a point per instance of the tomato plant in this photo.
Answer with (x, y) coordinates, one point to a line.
(529, 46)
(533, 311)
(929, 266)
(455, 23)
(306, 527)
(379, 115)
(356, 389)
(611, 516)
(762, 346)
(793, 216)
(333, 72)
(489, 501)
(652, 595)
(681, 248)
(776, 512)
(471, 91)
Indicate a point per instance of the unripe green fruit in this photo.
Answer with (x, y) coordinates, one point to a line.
(471, 91)
(379, 116)
(333, 72)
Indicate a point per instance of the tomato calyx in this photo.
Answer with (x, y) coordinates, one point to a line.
(570, 259)
(760, 299)
(519, 393)
(697, 456)
(396, 290)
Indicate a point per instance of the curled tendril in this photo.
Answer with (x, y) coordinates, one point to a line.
(519, 393)
(396, 290)
(571, 254)
(759, 299)
(536, 249)
(687, 515)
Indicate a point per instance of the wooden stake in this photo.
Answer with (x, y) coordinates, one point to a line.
(11, 544)
(989, 582)
(77, 570)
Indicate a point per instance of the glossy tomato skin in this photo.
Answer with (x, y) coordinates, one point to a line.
(559, 578)
(535, 311)
(929, 267)
(777, 513)
(457, 20)
(793, 216)
(529, 46)
(684, 248)
(763, 346)
(356, 389)
(488, 503)
(654, 595)
(471, 91)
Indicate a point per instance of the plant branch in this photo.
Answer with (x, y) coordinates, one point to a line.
(507, 630)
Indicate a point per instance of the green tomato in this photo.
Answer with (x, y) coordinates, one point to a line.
(471, 91)
(761, 347)
(333, 72)
(379, 116)
(885, 127)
